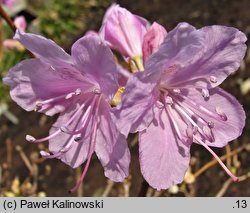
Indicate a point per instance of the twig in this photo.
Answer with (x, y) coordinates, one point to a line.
(224, 188)
(80, 189)
(228, 151)
(25, 159)
(126, 186)
(144, 189)
(1, 40)
(134, 141)
(108, 188)
(214, 161)
(9, 149)
(226, 185)
(6, 17)
(11, 24)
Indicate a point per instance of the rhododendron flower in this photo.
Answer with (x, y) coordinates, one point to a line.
(176, 102)
(9, 3)
(20, 24)
(80, 87)
(124, 31)
(153, 38)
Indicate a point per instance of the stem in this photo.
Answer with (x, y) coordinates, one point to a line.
(144, 189)
(11, 24)
(6, 17)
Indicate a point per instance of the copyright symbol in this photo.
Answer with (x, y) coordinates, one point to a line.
(11, 204)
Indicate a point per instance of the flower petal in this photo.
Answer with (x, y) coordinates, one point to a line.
(79, 150)
(164, 159)
(93, 57)
(42, 47)
(179, 44)
(123, 31)
(152, 40)
(223, 130)
(33, 81)
(135, 111)
(219, 53)
(111, 147)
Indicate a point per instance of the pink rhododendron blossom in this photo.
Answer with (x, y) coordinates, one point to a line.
(124, 31)
(20, 24)
(80, 87)
(9, 3)
(152, 40)
(176, 102)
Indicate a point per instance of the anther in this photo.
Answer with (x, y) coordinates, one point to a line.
(64, 129)
(208, 133)
(210, 124)
(44, 154)
(30, 138)
(78, 91)
(213, 79)
(160, 105)
(97, 91)
(169, 100)
(77, 138)
(177, 91)
(38, 106)
(205, 93)
(221, 113)
(195, 130)
(189, 132)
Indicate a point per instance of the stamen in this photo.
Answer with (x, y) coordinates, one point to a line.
(39, 105)
(84, 120)
(168, 100)
(189, 132)
(221, 113)
(210, 124)
(97, 91)
(218, 159)
(213, 79)
(91, 151)
(75, 93)
(176, 91)
(205, 93)
(160, 105)
(34, 140)
(195, 130)
(204, 109)
(176, 128)
(30, 138)
(208, 133)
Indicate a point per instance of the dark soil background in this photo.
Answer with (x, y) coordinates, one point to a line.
(55, 179)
